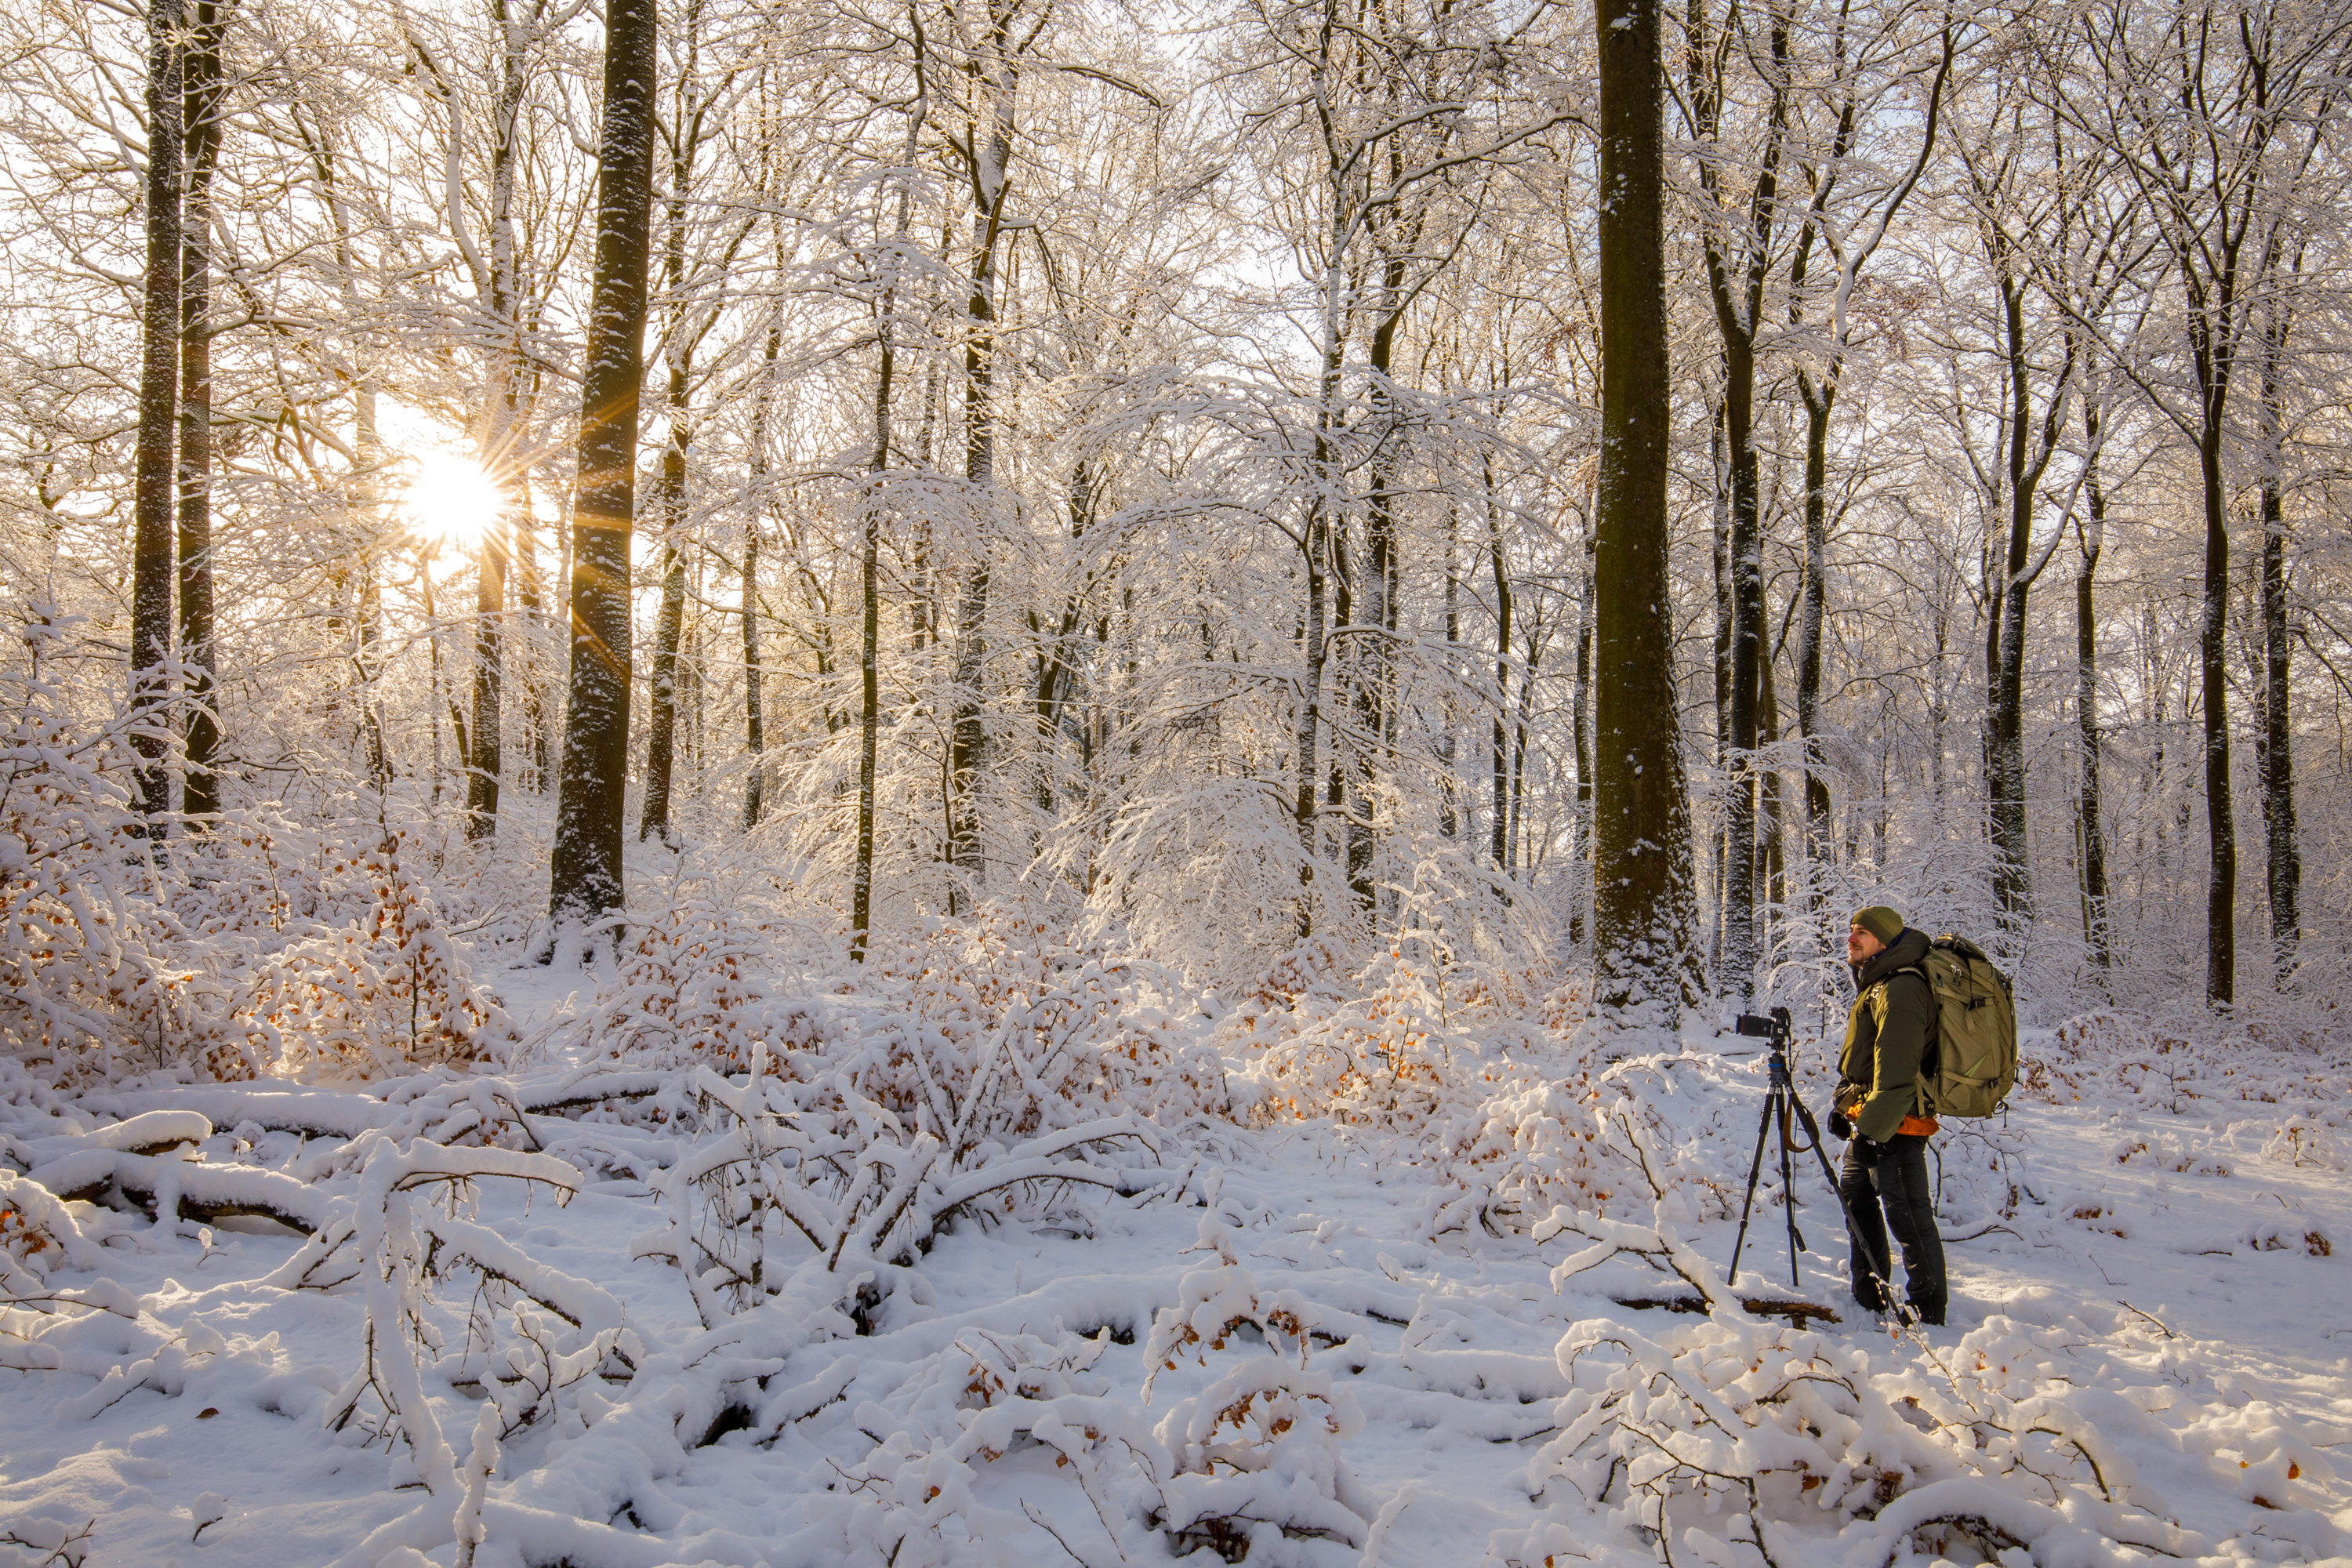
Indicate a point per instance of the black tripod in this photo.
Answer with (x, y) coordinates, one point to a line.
(1780, 1104)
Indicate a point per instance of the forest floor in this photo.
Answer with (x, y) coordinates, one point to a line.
(2149, 1353)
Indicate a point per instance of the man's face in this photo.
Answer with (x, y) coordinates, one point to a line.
(1861, 947)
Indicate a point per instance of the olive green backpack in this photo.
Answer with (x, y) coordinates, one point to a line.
(1971, 1062)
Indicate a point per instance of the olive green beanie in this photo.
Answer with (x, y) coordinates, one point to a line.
(1880, 922)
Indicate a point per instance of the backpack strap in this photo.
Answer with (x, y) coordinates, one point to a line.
(1880, 984)
(1931, 1051)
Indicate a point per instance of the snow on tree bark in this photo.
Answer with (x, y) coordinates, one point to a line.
(153, 560)
(585, 873)
(1644, 915)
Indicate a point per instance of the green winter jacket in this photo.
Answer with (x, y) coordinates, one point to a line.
(1885, 1036)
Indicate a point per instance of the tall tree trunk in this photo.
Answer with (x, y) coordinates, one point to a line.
(1377, 655)
(1500, 764)
(679, 342)
(585, 875)
(1520, 725)
(1055, 675)
(1820, 841)
(498, 446)
(669, 621)
(996, 70)
(1736, 277)
(2221, 828)
(1449, 808)
(367, 446)
(2029, 459)
(869, 678)
(755, 507)
(2096, 921)
(151, 557)
(869, 637)
(1719, 451)
(1771, 854)
(530, 604)
(1581, 737)
(200, 101)
(483, 743)
(669, 625)
(1314, 642)
(367, 465)
(2277, 739)
(1644, 909)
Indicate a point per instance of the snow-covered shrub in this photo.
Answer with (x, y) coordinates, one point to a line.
(531, 1333)
(1063, 1028)
(1048, 1028)
(702, 976)
(1770, 1424)
(1612, 1141)
(80, 979)
(37, 1236)
(1257, 1452)
(2179, 1063)
(388, 992)
(1727, 1432)
(2308, 1141)
(806, 1169)
(243, 950)
(1399, 1043)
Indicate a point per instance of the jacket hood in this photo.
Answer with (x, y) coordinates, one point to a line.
(1908, 951)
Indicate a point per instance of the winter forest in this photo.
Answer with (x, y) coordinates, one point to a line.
(795, 781)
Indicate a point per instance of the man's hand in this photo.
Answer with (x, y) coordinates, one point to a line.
(1840, 1124)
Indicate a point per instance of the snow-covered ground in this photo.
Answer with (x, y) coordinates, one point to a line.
(1272, 1341)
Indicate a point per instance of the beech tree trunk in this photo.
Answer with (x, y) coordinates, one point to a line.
(2276, 742)
(995, 69)
(869, 680)
(1813, 604)
(502, 430)
(2097, 924)
(2030, 452)
(151, 553)
(1721, 838)
(2221, 828)
(687, 132)
(1645, 914)
(585, 874)
(1736, 277)
(755, 507)
(483, 740)
(1499, 834)
(1581, 737)
(201, 96)
(1314, 641)
(1376, 654)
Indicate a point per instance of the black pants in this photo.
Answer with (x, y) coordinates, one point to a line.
(1894, 1181)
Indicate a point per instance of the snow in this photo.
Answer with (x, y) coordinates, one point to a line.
(1105, 1335)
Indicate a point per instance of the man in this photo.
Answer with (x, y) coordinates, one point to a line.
(1877, 1106)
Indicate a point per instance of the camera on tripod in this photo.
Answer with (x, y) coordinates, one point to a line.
(1773, 1025)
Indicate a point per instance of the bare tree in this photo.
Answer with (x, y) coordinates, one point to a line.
(204, 107)
(2215, 114)
(585, 874)
(1644, 910)
(151, 557)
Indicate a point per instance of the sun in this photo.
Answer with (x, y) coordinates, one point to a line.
(449, 497)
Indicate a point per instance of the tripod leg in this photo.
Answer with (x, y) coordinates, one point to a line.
(1789, 1196)
(1755, 1166)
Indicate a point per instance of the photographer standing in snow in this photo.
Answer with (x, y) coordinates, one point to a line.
(1878, 1107)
